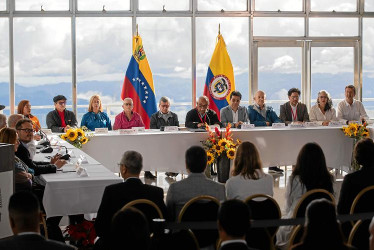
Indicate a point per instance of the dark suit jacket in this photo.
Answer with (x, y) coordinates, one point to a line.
(286, 114)
(38, 167)
(117, 195)
(236, 246)
(54, 121)
(352, 184)
(192, 118)
(32, 242)
(157, 121)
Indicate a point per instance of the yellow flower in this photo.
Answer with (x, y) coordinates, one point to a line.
(218, 149)
(80, 132)
(84, 140)
(210, 158)
(230, 153)
(222, 143)
(71, 134)
(63, 137)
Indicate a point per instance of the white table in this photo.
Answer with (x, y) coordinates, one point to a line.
(164, 151)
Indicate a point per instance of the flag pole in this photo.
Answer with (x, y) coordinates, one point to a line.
(219, 29)
(137, 30)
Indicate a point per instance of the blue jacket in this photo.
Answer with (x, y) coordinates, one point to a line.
(99, 120)
(258, 120)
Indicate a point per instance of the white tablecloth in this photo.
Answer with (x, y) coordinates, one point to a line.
(164, 151)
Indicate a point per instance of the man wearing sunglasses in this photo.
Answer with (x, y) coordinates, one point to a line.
(60, 119)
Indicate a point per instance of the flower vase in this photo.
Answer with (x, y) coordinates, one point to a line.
(223, 168)
(354, 165)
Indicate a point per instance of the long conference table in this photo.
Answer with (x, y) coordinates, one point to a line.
(164, 151)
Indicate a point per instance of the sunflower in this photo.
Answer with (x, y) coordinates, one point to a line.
(218, 149)
(365, 134)
(63, 137)
(222, 143)
(84, 140)
(80, 132)
(230, 153)
(71, 134)
(210, 158)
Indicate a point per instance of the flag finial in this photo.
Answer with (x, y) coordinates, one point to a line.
(137, 30)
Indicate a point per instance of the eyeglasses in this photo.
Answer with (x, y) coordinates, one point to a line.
(61, 103)
(165, 106)
(27, 130)
(203, 106)
(127, 104)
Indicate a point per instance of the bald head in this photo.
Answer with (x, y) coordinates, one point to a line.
(259, 98)
(13, 119)
(202, 104)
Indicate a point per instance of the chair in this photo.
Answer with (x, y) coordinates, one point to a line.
(359, 236)
(264, 207)
(201, 208)
(308, 197)
(363, 203)
(296, 235)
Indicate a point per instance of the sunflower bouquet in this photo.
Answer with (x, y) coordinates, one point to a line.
(219, 144)
(76, 136)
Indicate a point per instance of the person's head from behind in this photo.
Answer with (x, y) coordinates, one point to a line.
(9, 136)
(130, 230)
(247, 160)
(24, 212)
(2, 121)
(196, 159)
(233, 220)
(13, 119)
(131, 164)
(321, 225)
(364, 152)
(311, 168)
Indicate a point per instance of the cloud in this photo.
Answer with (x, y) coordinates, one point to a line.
(284, 62)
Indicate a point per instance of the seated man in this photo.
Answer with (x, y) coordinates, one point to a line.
(197, 117)
(2, 121)
(195, 184)
(294, 111)
(233, 223)
(233, 113)
(117, 195)
(260, 114)
(60, 119)
(13, 119)
(24, 217)
(163, 117)
(351, 109)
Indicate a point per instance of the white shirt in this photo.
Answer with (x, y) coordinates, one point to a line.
(235, 116)
(316, 115)
(294, 112)
(233, 241)
(353, 112)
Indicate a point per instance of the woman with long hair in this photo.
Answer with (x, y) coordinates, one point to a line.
(24, 108)
(323, 111)
(95, 117)
(309, 173)
(248, 177)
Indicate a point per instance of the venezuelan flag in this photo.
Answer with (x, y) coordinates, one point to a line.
(219, 81)
(138, 83)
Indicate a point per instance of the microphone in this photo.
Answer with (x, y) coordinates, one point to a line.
(46, 142)
(66, 156)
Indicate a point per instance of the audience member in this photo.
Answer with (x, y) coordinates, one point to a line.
(129, 230)
(197, 117)
(24, 217)
(234, 113)
(248, 178)
(233, 224)
(1, 108)
(117, 195)
(128, 118)
(60, 119)
(294, 111)
(309, 173)
(95, 117)
(2, 121)
(23, 174)
(323, 111)
(351, 109)
(24, 108)
(261, 114)
(354, 182)
(371, 229)
(195, 184)
(13, 119)
(322, 230)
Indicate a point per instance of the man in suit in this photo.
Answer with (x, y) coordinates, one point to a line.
(197, 117)
(24, 217)
(117, 195)
(233, 113)
(60, 119)
(195, 184)
(294, 111)
(261, 114)
(233, 224)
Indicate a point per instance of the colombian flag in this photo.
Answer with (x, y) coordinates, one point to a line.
(138, 83)
(219, 81)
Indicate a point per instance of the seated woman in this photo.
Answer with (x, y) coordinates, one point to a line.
(309, 173)
(322, 230)
(23, 174)
(95, 117)
(323, 112)
(248, 178)
(24, 108)
(128, 118)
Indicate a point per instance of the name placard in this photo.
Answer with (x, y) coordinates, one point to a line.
(247, 126)
(296, 125)
(358, 122)
(336, 123)
(171, 129)
(47, 131)
(311, 124)
(101, 130)
(130, 131)
(214, 126)
(278, 125)
(139, 129)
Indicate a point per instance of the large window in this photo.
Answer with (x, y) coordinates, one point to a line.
(368, 66)
(333, 27)
(2, 5)
(4, 64)
(334, 5)
(37, 5)
(277, 26)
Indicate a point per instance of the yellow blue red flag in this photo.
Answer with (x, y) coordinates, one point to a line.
(219, 81)
(138, 83)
